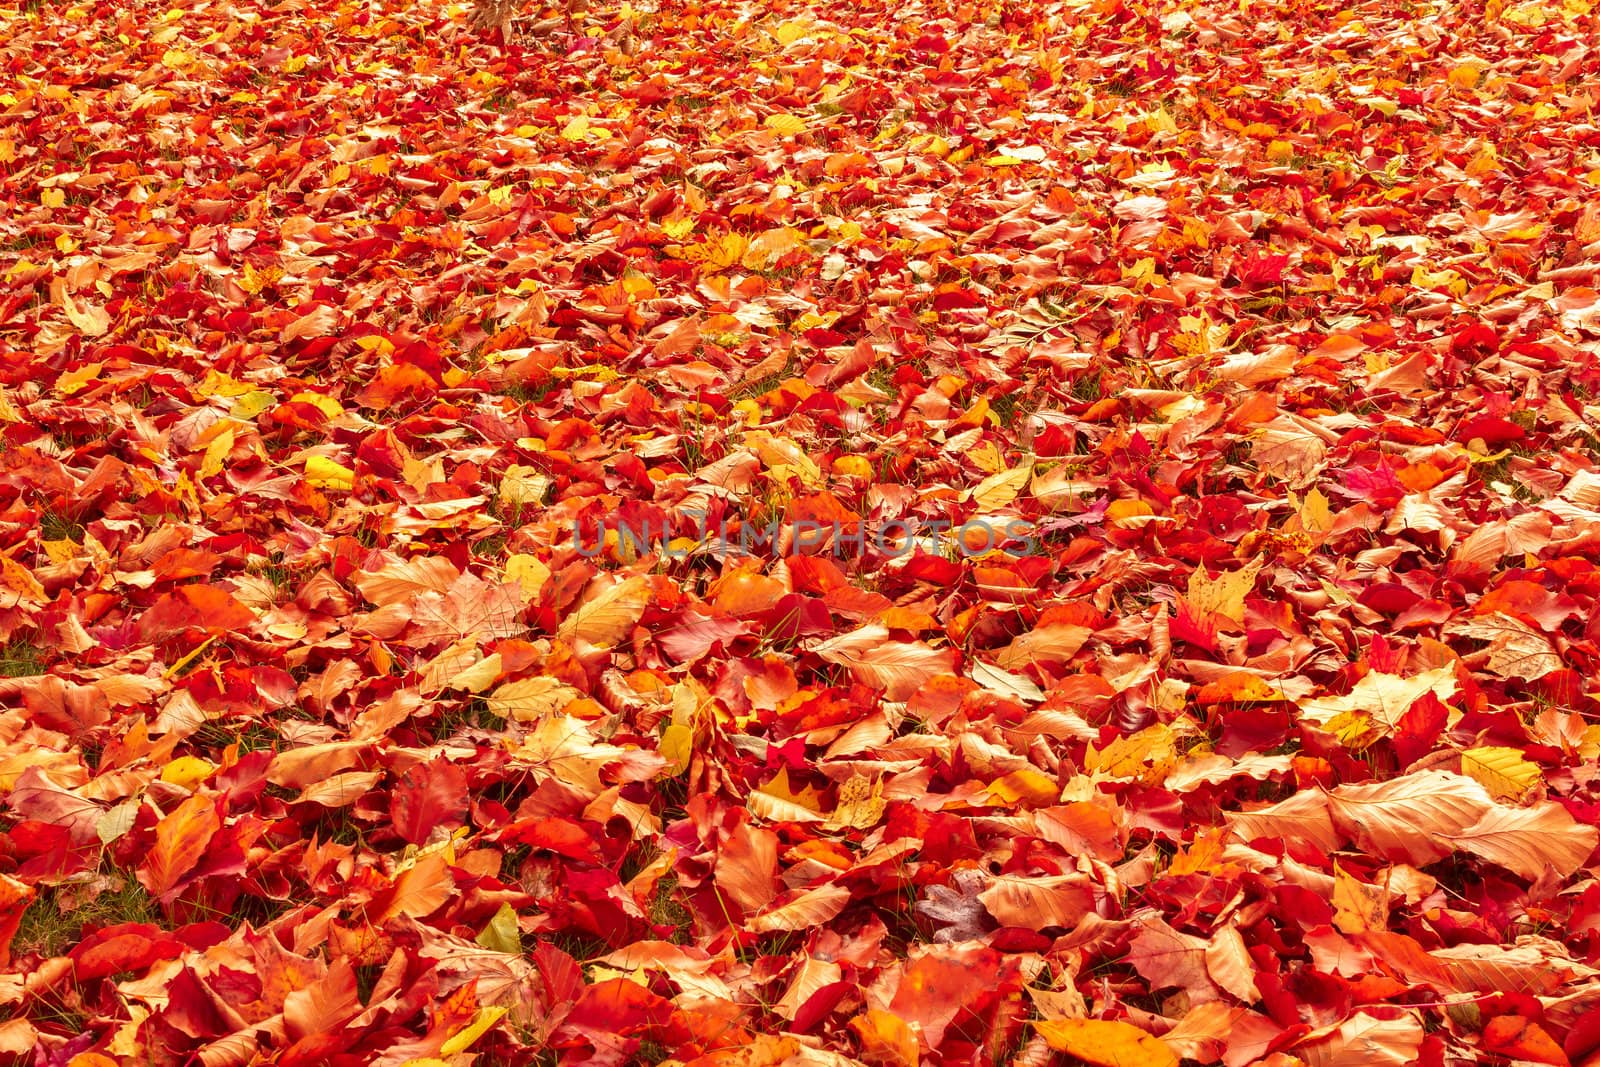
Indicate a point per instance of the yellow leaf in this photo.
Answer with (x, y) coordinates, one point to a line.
(861, 804)
(521, 486)
(1127, 757)
(770, 246)
(187, 771)
(998, 490)
(1223, 595)
(1503, 771)
(678, 229)
(1106, 1043)
(1027, 787)
(252, 403)
(609, 617)
(677, 745)
(786, 125)
(217, 453)
(1357, 905)
(53, 197)
(324, 473)
(528, 572)
(575, 129)
(789, 32)
(1128, 512)
(720, 254)
(72, 381)
(256, 280)
(501, 933)
(215, 383)
(321, 401)
(1316, 518)
(531, 698)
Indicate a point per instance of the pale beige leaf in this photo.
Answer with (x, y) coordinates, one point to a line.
(1258, 368)
(1302, 817)
(1229, 964)
(1384, 697)
(1409, 818)
(1039, 902)
(91, 320)
(898, 667)
(399, 582)
(340, 790)
(1366, 1040)
(1538, 967)
(1527, 840)
(1051, 643)
(810, 909)
(564, 748)
(318, 323)
(1516, 650)
(1288, 452)
(532, 698)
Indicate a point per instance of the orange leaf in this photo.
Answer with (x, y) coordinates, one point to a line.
(14, 899)
(181, 839)
(1106, 1043)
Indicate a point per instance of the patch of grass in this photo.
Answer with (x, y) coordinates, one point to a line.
(49, 931)
(580, 946)
(530, 392)
(667, 910)
(650, 1053)
(54, 526)
(21, 659)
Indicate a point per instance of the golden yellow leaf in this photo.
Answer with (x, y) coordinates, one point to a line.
(785, 125)
(1106, 1043)
(324, 473)
(462, 1039)
(72, 381)
(187, 771)
(1132, 756)
(1027, 787)
(1358, 906)
(677, 746)
(860, 804)
(1503, 771)
(527, 571)
(217, 453)
(1225, 594)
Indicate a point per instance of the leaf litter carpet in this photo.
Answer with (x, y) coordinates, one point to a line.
(1197, 402)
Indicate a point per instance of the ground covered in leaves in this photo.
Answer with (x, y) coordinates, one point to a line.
(341, 345)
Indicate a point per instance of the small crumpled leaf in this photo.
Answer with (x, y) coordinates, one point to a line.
(501, 933)
(957, 907)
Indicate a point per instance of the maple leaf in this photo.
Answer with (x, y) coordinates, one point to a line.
(957, 908)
